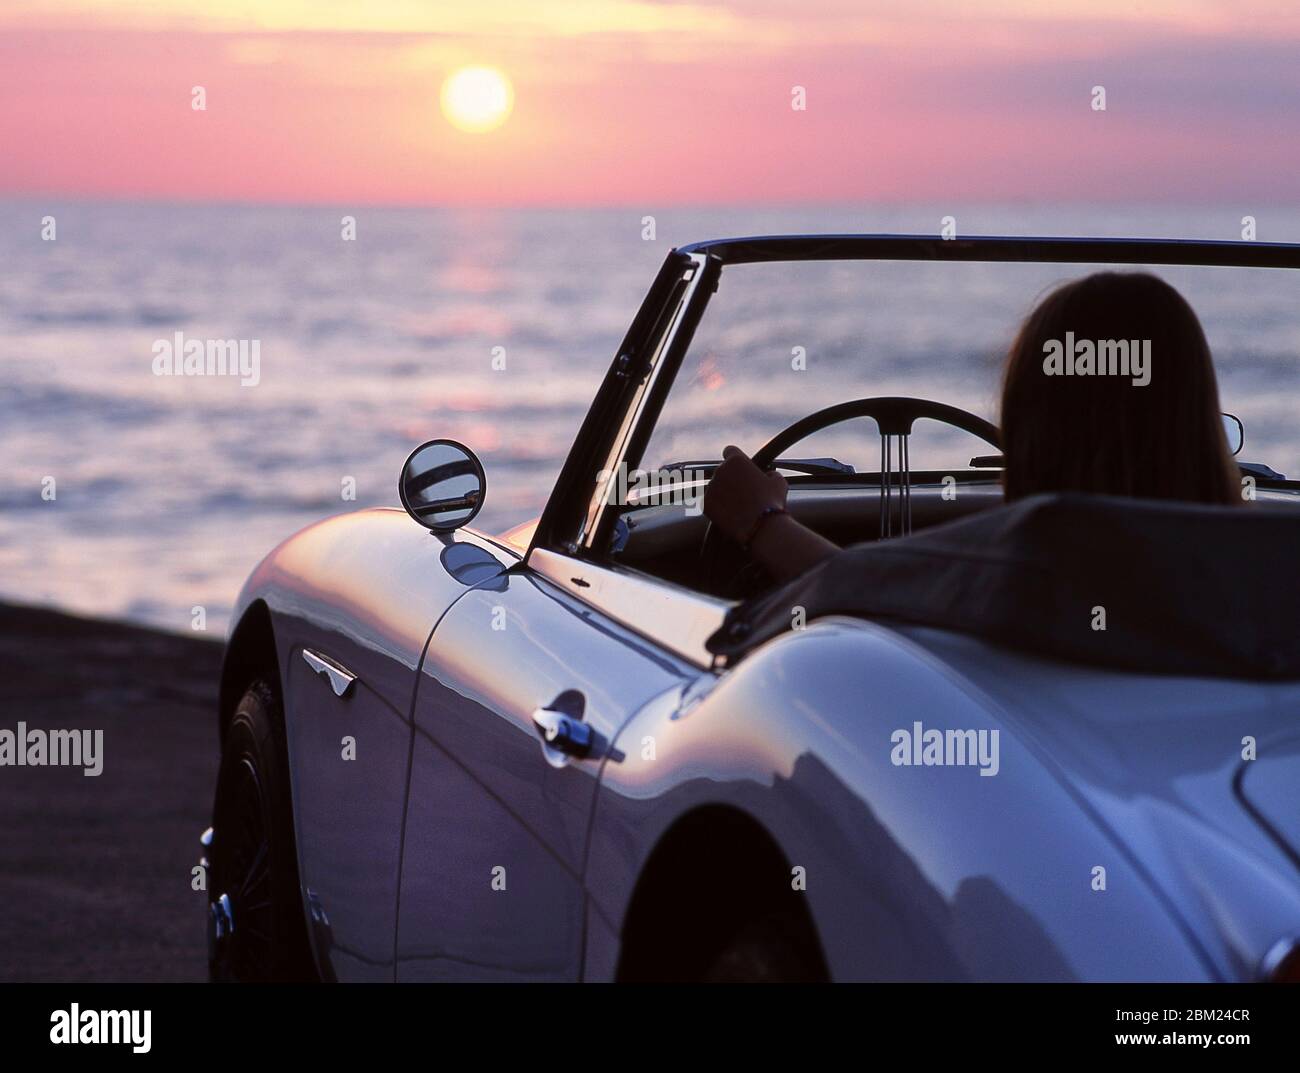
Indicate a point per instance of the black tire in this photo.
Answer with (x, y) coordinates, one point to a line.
(777, 949)
(254, 859)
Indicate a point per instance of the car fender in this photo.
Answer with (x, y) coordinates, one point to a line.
(364, 588)
(911, 872)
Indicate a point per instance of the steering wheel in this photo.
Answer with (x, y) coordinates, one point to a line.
(894, 416)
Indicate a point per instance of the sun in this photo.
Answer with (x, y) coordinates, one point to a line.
(477, 99)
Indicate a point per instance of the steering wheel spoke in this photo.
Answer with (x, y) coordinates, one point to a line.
(887, 484)
(894, 416)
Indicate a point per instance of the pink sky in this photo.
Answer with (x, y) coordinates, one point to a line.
(636, 102)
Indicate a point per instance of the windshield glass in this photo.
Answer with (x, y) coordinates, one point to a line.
(782, 340)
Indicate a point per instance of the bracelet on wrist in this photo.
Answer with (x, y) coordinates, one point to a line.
(764, 515)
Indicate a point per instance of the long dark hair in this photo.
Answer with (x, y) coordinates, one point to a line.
(1104, 433)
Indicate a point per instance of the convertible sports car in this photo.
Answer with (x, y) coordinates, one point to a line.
(603, 746)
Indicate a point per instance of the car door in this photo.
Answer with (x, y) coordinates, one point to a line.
(350, 664)
(497, 819)
(352, 755)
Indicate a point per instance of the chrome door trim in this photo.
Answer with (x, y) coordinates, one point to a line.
(675, 618)
(632, 415)
(340, 678)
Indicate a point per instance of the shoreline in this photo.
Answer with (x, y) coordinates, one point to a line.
(97, 884)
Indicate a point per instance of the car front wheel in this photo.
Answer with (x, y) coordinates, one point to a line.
(256, 930)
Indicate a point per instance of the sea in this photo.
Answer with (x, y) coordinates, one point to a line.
(130, 492)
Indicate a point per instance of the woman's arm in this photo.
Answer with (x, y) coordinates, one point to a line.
(748, 505)
(787, 548)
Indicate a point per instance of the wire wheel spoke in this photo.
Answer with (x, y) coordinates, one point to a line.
(258, 873)
(245, 874)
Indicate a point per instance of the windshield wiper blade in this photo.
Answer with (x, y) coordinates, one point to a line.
(815, 466)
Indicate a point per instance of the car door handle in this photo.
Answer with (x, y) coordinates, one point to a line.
(563, 735)
(340, 678)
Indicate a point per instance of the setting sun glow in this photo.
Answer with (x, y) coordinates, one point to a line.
(477, 99)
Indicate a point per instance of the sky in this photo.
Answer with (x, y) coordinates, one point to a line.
(649, 102)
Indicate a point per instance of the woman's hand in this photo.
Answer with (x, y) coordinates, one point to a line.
(736, 500)
(740, 492)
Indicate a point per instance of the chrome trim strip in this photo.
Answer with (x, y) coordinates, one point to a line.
(340, 678)
(632, 415)
(675, 618)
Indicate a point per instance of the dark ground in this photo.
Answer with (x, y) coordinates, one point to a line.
(95, 872)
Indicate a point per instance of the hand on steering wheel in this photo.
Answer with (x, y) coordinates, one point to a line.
(740, 495)
(740, 499)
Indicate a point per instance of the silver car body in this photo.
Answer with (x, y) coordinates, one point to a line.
(1124, 836)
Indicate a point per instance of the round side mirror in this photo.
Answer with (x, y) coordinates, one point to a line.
(1234, 431)
(442, 485)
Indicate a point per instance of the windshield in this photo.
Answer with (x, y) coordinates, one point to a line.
(782, 340)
